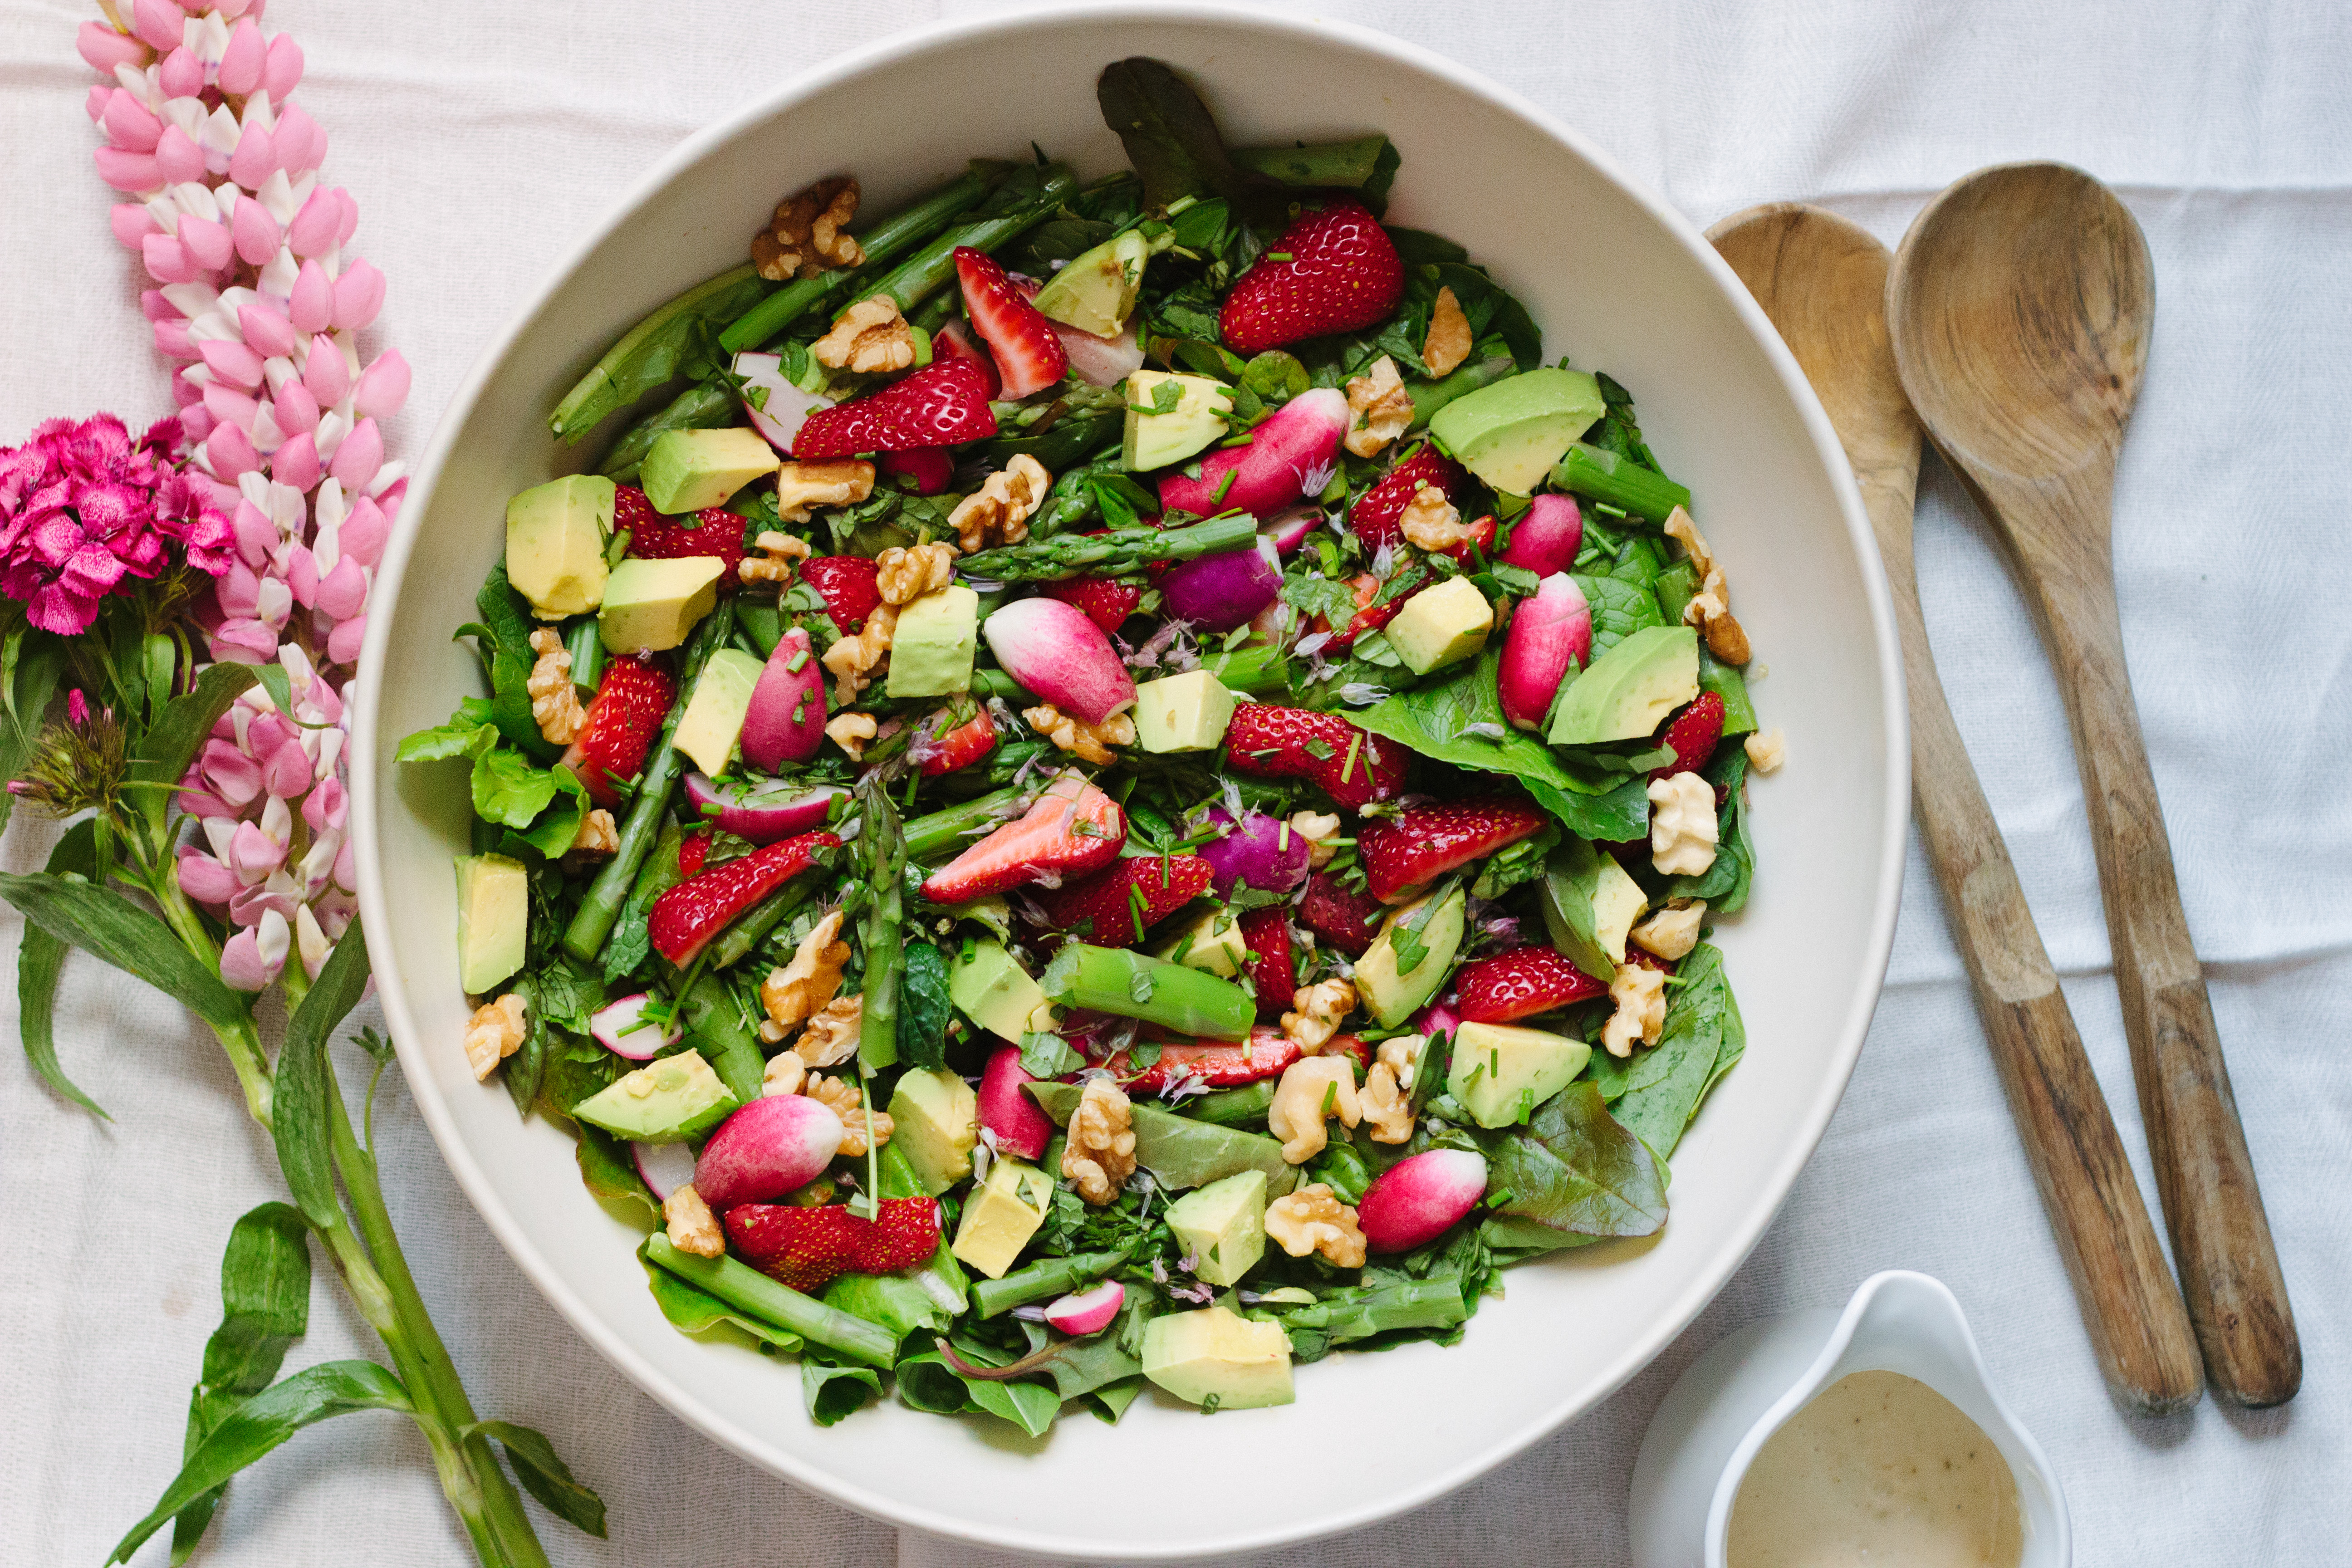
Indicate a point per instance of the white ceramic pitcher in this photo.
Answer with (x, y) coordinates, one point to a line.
(1711, 1424)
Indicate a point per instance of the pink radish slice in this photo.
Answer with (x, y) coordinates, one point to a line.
(1100, 361)
(929, 466)
(1550, 634)
(1056, 651)
(621, 1029)
(1084, 1312)
(778, 416)
(765, 1149)
(1418, 1199)
(762, 812)
(1289, 529)
(1218, 592)
(1437, 1018)
(785, 720)
(1019, 1123)
(666, 1167)
(1258, 851)
(1291, 456)
(1547, 536)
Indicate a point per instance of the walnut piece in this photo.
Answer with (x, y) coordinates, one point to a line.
(1382, 1099)
(998, 512)
(851, 732)
(1379, 408)
(1767, 751)
(1448, 343)
(831, 1037)
(1317, 1010)
(785, 1074)
(1682, 824)
(692, 1227)
(1431, 522)
(1313, 1219)
(1100, 1155)
(804, 237)
(1640, 993)
(554, 701)
(597, 835)
(1672, 932)
(776, 553)
(790, 995)
(1311, 1088)
(871, 337)
(1318, 829)
(494, 1033)
(1092, 743)
(802, 488)
(1710, 608)
(903, 576)
(853, 658)
(848, 1102)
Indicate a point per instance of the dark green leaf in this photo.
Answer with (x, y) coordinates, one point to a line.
(923, 1007)
(455, 739)
(1619, 609)
(510, 790)
(545, 1477)
(1419, 247)
(39, 959)
(1493, 310)
(834, 1393)
(305, 1083)
(607, 1172)
(1702, 1036)
(278, 684)
(1576, 1169)
(172, 741)
(103, 922)
(265, 1308)
(509, 617)
(1171, 138)
(558, 824)
(29, 679)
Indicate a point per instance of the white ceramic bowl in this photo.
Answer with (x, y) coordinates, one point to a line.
(1618, 280)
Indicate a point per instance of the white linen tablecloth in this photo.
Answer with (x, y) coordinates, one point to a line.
(480, 139)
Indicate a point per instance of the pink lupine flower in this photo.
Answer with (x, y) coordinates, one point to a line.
(251, 959)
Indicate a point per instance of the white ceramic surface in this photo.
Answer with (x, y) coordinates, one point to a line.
(1719, 1414)
(1619, 281)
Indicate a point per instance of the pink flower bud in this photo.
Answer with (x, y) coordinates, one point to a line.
(256, 536)
(383, 386)
(255, 160)
(231, 361)
(297, 410)
(296, 462)
(301, 139)
(156, 308)
(328, 807)
(94, 103)
(132, 223)
(159, 22)
(167, 261)
(241, 62)
(253, 855)
(265, 732)
(312, 307)
(229, 448)
(342, 593)
(287, 772)
(105, 49)
(302, 574)
(232, 775)
(129, 124)
(181, 75)
(177, 158)
(243, 965)
(267, 331)
(312, 232)
(197, 423)
(127, 171)
(205, 880)
(205, 241)
(343, 642)
(363, 533)
(255, 230)
(172, 339)
(360, 456)
(238, 590)
(347, 871)
(359, 295)
(349, 223)
(283, 71)
(228, 405)
(230, 10)
(243, 641)
(324, 371)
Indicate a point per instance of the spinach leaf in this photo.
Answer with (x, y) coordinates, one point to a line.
(1521, 862)
(1172, 140)
(923, 1007)
(834, 1393)
(1493, 310)
(1576, 1169)
(553, 831)
(1419, 247)
(508, 789)
(1619, 609)
(693, 1310)
(1724, 884)
(1665, 1083)
(1617, 431)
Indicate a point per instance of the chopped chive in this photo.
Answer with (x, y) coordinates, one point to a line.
(1348, 766)
(798, 662)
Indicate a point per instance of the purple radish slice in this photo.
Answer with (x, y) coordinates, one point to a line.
(1099, 361)
(622, 1028)
(1055, 650)
(1289, 528)
(1417, 1200)
(778, 416)
(1218, 592)
(1551, 634)
(762, 812)
(1291, 456)
(1437, 1018)
(766, 1149)
(785, 720)
(1018, 1124)
(1547, 537)
(1258, 851)
(1084, 1312)
(666, 1167)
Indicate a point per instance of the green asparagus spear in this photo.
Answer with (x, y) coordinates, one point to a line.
(882, 849)
(1360, 1311)
(1130, 985)
(728, 947)
(646, 355)
(701, 407)
(1108, 554)
(586, 645)
(941, 831)
(714, 1021)
(1255, 671)
(922, 274)
(1605, 477)
(890, 238)
(1047, 1277)
(746, 1288)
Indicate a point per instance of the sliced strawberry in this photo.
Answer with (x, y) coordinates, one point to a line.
(930, 468)
(953, 341)
(1481, 540)
(697, 908)
(943, 404)
(1340, 915)
(1374, 516)
(655, 536)
(947, 741)
(1028, 352)
(1405, 853)
(1105, 602)
(1520, 984)
(809, 1248)
(1263, 1055)
(624, 717)
(1693, 733)
(1116, 907)
(692, 851)
(1333, 271)
(1070, 829)
(849, 587)
(1267, 933)
(1352, 765)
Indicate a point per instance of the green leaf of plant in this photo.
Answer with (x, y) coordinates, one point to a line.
(923, 1006)
(1702, 1037)
(103, 922)
(503, 611)
(172, 741)
(29, 679)
(1576, 1169)
(455, 739)
(1619, 609)
(544, 1475)
(834, 1393)
(1171, 138)
(304, 1081)
(558, 824)
(39, 961)
(278, 684)
(510, 789)
(1724, 884)
(693, 1310)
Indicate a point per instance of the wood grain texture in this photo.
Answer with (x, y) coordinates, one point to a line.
(1822, 281)
(2020, 304)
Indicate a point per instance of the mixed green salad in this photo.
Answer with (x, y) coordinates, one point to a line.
(1115, 781)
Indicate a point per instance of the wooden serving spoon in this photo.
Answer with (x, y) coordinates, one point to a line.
(1822, 280)
(2019, 306)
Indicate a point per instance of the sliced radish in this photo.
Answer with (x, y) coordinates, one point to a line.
(778, 416)
(1547, 537)
(1018, 1124)
(1100, 361)
(1054, 651)
(621, 1029)
(1291, 456)
(785, 720)
(1084, 1312)
(762, 812)
(1550, 634)
(766, 1149)
(1218, 592)
(1289, 528)
(666, 1167)
(1418, 1199)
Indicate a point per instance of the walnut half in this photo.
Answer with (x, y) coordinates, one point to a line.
(804, 235)
(1318, 1011)
(1092, 743)
(1311, 1088)
(1100, 1155)
(1379, 408)
(998, 512)
(848, 1102)
(494, 1033)
(1313, 1219)
(1640, 993)
(871, 337)
(692, 1227)
(790, 995)
(1682, 824)
(554, 701)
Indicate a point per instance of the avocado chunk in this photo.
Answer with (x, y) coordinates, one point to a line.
(555, 544)
(1185, 712)
(936, 1119)
(1510, 433)
(1627, 692)
(930, 653)
(1001, 1217)
(1589, 903)
(1170, 416)
(995, 991)
(687, 470)
(713, 721)
(665, 1102)
(1212, 944)
(1223, 1226)
(493, 918)
(650, 605)
(1499, 1073)
(1220, 1355)
(1392, 991)
(1096, 290)
(1441, 625)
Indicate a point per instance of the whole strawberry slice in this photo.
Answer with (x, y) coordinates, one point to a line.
(1374, 517)
(927, 468)
(1333, 271)
(849, 586)
(943, 404)
(1028, 352)
(1267, 933)
(1404, 854)
(1352, 765)
(1116, 907)
(1693, 733)
(953, 341)
(1070, 829)
(624, 717)
(1263, 1055)
(810, 1247)
(699, 907)
(654, 536)
(1105, 602)
(948, 741)
(1340, 915)
(1520, 984)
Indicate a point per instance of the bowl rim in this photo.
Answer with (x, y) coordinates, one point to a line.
(1799, 1147)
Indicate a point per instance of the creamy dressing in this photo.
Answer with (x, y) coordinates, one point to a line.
(1879, 1471)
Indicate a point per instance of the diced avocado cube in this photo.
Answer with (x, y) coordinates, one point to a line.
(650, 605)
(1212, 944)
(687, 470)
(930, 653)
(713, 719)
(1441, 625)
(1392, 989)
(1214, 1353)
(493, 918)
(1001, 1217)
(937, 1124)
(1510, 433)
(1590, 903)
(1185, 712)
(1223, 1226)
(1500, 1073)
(997, 993)
(1627, 692)
(556, 534)
(665, 1102)
(1170, 415)
(1096, 290)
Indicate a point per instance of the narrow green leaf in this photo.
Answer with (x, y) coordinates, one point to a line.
(102, 921)
(39, 961)
(299, 1122)
(545, 1477)
(173, 740)
(29, 679)
(278, 684)
(265, 1307)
